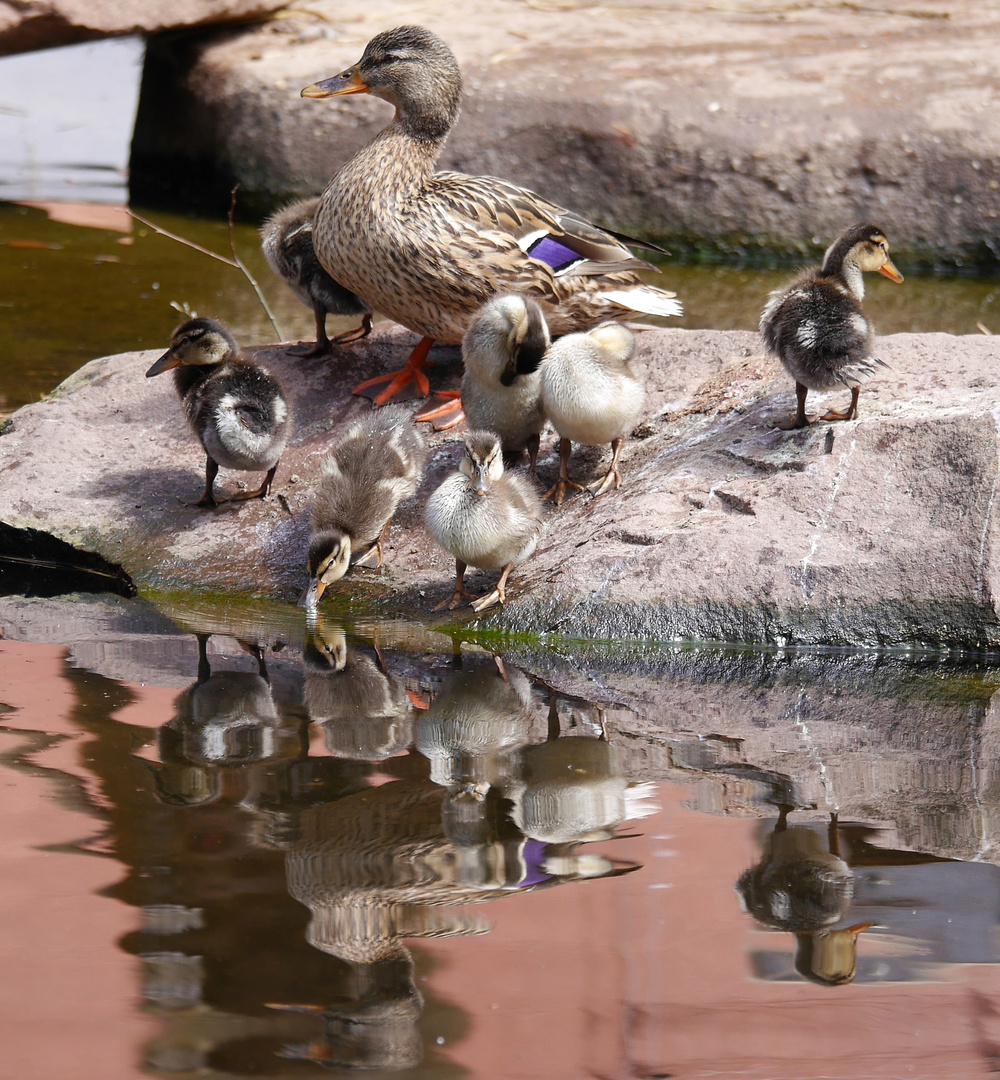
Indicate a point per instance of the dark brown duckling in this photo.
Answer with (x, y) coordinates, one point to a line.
(375, 464)
(816, 327)
(287, 242)
(236, 407)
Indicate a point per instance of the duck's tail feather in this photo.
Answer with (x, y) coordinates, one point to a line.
(645, 298)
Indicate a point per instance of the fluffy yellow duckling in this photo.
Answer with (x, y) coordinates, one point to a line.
(484, 517)
(592, 396)
(501, 388)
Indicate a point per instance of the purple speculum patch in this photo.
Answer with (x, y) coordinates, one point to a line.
(556, 255)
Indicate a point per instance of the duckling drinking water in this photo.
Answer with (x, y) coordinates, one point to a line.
(484, 517)
(501, 389)
(815, 325)
(235, 406)
(287, 242)
(375, 463)
(592, 396)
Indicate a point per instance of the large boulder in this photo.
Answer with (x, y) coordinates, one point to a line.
(44, 24)
(875, 532)
(711, 129)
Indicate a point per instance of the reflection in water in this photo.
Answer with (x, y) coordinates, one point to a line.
(802, 884)
(309, 834)
(378, 851)
(364, 711)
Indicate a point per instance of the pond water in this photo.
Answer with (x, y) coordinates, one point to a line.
(69, 294)
(239, 845)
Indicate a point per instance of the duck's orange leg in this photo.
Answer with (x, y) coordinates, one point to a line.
(445, 415)
(413, 370)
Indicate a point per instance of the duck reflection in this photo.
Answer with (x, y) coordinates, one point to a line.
(378, 1028)
(401, 860)
(802, 885)
(364, 711)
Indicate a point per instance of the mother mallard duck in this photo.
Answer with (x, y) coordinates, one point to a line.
(428, 248)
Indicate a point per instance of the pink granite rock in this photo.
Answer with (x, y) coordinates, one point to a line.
(44, 24)
(875, 532)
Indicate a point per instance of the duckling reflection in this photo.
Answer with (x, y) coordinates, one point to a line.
(476, 724)
(574, 789)
(802, 885)
(225, 719)
(363, 709)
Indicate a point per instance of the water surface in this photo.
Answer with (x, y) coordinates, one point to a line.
(240, 845)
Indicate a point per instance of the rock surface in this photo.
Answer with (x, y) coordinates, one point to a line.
(44, 24)
(877, 532)
(711, 128)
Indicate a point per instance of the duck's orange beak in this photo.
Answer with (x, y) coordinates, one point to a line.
(886, 269)
(347, 82)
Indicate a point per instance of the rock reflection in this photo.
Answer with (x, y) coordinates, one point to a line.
(802, 885)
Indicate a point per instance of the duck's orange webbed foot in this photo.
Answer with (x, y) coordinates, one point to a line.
(445, 415)
(412, 371)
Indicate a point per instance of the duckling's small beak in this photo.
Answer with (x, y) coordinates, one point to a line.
(165, 363)
(347, 82)
(311, 597)
(481, 484)
(889, 271)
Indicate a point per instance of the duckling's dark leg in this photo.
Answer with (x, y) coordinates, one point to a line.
(852, 412)
(207, 496)
(413, 370)
(260, 493)
(322, 343)
(498, 596)
(357, 334)
(564, 482)
(613, 475)
(460, 592)
(800, 419)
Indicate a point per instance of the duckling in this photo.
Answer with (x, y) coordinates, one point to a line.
(287, 242)
(815, 325)
(374, 465)
(428, 248)
(484, 517)
(236, 407)
(592, 396)
(501, 390)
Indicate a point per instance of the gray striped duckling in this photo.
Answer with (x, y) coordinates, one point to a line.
(484, 517)
(287, 242)
(501, 388)
(236, 407)
(592, 396)
(374, 465)
(815, 325)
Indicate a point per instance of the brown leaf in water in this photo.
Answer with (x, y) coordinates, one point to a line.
(15, 243)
